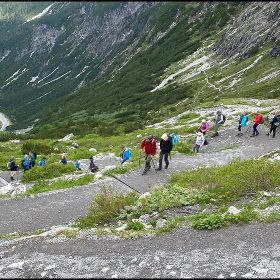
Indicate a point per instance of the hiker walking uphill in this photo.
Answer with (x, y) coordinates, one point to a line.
(25, 163)
(274, 124)
(150, 146)
(219, 120)
(93, 168)
(165, 149)
(12, 167)
(242, 123)
(258, 119)
(199, 141)
(125, 155)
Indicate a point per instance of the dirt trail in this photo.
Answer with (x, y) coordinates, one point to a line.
(61, 207)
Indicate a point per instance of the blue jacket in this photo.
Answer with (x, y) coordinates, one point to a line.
(78, 165)
(42, 162)
(175, 139)
(243, 120)
(126, 155)
(25, 163)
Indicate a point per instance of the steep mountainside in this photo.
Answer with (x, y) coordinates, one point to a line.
(111, 67)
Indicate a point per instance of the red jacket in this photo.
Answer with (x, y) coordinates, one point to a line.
(258, 119)
(150, 146)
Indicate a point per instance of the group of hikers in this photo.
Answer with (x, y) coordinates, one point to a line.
(149, 144)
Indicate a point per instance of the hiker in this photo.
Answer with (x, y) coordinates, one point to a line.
(258, 119)
(175, 138)
(42, 162)
(149, 144)
(77, 165)
(165, 149)
(12, 167)
(25, 163)
(125, 155)
(219, 120)
(242, 123)
(199, 141)
(93, 168)
(32, 157)
(274, 124)
(204, 126)
(63, 159)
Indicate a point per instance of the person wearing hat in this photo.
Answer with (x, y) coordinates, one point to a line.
(93, 168)
(125, 155)
(165, 149)
(199, 141)
(149, 144)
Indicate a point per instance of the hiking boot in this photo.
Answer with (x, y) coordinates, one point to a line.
(257, 133)
(158, 169)
(12, 178)
(166, 166)
(252, 135)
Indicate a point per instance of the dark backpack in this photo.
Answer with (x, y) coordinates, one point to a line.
(277, 121)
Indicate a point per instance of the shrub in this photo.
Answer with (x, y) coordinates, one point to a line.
(135, 225)
(183, 148)
(212, 221)
(39, 148)
(106, 207)
(49, 171)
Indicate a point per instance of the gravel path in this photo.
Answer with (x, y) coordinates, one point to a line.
(62, 207)
(232, 252)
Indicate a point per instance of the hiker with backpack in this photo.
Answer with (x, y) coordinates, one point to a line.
(125, 155)
(258, 119)
(199, 141)
(42, 162)
(12, 167)
(219, 120)
(165, 150)
(25, 163)
(32, 157)
(242, 123)
(93, 168)
(204, 127)
(149, 144)
(175, 138)
(274, 124)
(63, 159)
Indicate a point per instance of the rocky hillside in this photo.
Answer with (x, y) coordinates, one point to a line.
(106, 66)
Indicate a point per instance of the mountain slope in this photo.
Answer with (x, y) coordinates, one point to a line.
(110, 67)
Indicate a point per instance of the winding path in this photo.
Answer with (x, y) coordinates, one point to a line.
(61, 207)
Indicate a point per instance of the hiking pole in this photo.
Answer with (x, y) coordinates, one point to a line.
(153, 163)
(124, 183)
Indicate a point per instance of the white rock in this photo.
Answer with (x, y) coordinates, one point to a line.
(53, 231)
(233, 274)
(92, 150)
(44, 273)
(7, 189)
(233, 210)
(66, 138)
(134, 260)
(122, 228)
(221, 276)
(105, 269)
(142, 264)
(148, 226)
(156, 258)
(18, 265)
(114, 276)
(144, 195)
(173, 273)
(49, 267)
(169, 266)
(267, 194)
(144, 218)
(247, 275)
(260, 270)
(161, 223)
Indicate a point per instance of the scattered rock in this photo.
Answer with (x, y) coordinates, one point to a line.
(92, 150)
(233, 210)
(144, 218)
(233, 274)
(122, 228)
(267, 193)
(173, 273)
(44, 273)
(144, 195)
(105, 269)
(49, 267)
(247, 275)
(134, 260)
(66, 138)
(18, 265)
(161, 223)
(156, 258)
(169, 266)
(142, 264)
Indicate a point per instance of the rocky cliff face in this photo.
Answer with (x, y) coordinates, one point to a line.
(257, 25)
